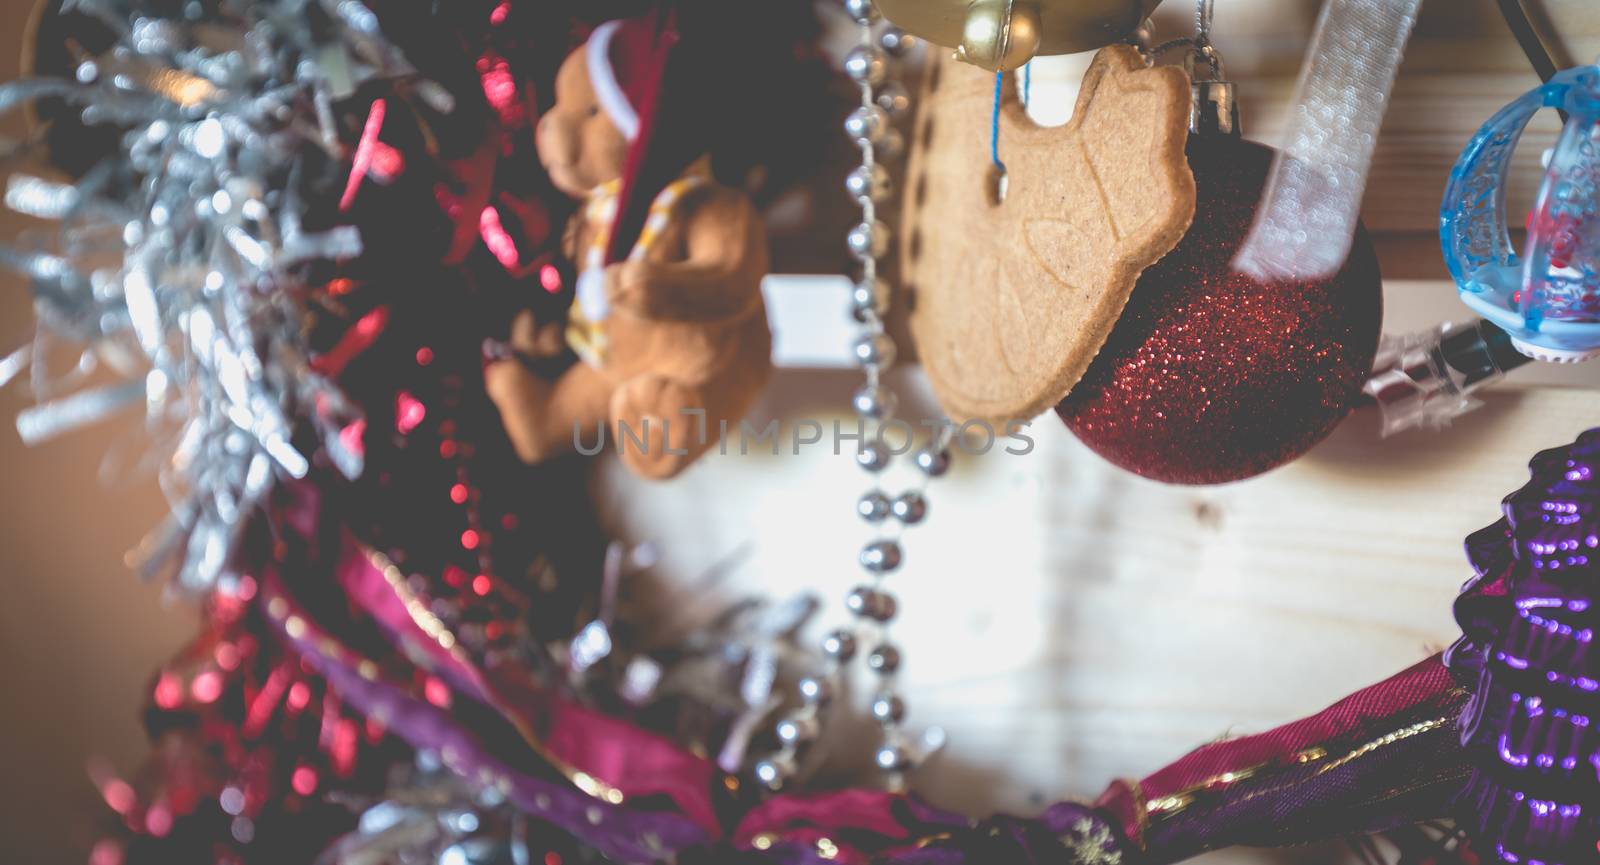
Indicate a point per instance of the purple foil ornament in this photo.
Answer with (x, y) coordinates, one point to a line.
(1529, 619)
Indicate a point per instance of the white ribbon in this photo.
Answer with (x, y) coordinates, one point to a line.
(1313, 196)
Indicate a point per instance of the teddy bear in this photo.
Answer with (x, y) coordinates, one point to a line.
(668, 319)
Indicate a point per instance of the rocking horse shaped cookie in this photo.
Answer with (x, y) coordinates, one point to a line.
(1013, 295)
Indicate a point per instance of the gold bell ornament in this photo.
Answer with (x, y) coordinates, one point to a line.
(1002, 35)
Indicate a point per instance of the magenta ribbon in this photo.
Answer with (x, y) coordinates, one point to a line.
(635, 762)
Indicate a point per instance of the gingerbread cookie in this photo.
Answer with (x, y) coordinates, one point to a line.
(1011, 299)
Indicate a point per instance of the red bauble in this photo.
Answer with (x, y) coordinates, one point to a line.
(1211, 376)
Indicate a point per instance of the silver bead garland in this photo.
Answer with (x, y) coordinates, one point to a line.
(868, 65)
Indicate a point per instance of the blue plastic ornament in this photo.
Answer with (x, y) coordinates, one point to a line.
(1548, 298)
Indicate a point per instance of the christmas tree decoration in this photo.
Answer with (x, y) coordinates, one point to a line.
(1014, 297)
(1547, 298)
(1211, 375)
(1428, 378)
(1002, 35)
(1528, 617)
(668, 317)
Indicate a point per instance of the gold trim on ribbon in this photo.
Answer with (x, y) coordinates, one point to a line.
(1175, 802)
(437, 630)
(1167, 806)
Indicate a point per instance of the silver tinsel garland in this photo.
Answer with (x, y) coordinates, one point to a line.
(177, 261)
(431, 816)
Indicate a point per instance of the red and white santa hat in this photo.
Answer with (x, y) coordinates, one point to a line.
(656, 86)
(607, 74)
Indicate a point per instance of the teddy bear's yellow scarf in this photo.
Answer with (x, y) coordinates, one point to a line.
(590, 306)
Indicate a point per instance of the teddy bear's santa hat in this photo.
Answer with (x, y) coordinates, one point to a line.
(656, 86)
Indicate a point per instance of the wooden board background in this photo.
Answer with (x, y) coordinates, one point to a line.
(1065, 622)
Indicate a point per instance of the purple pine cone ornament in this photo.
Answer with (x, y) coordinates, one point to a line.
(1532, 727)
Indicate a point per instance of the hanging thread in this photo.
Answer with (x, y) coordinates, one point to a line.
(1200, 42)
(994, 124)
(1539, 54)
(994, 116)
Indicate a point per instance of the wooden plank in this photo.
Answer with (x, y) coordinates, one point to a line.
(1069, 623)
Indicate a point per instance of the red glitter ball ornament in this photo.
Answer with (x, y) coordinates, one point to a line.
(1211, 376)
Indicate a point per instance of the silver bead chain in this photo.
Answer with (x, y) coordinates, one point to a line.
(870, 126)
